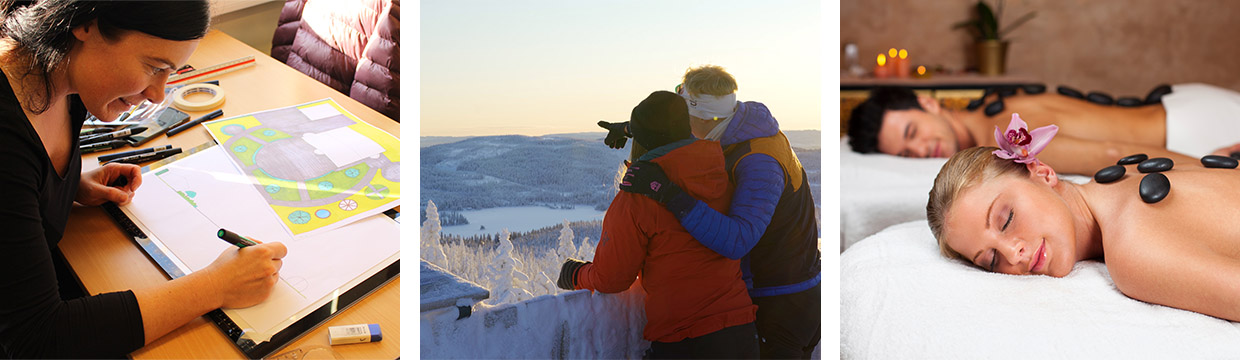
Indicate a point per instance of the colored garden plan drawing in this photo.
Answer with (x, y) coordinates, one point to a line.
(318, 166)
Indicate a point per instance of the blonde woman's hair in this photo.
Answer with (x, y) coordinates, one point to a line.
(965, 169)
(709, 80)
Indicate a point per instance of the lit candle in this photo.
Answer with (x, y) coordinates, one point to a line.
(882, 70)
(921, 73)
(902, 67)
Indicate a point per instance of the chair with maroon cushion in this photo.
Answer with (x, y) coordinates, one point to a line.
(352, 46)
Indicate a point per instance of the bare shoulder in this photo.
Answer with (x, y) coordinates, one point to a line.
(1180, 252)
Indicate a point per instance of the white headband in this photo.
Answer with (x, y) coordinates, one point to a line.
(709, 107)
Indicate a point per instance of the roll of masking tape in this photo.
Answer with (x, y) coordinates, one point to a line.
(181, 102)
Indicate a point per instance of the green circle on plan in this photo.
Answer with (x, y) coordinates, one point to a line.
(299, 217)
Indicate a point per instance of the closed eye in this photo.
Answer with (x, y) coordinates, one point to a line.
(1009, 220)
(994, 259)
(156, 70)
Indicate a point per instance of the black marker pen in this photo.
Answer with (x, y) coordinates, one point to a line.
(141, 158)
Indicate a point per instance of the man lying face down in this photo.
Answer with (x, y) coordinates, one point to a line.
(896, 121)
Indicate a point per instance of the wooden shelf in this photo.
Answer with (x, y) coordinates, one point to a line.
(938, 82)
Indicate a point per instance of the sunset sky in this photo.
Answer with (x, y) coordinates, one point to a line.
(544, 67)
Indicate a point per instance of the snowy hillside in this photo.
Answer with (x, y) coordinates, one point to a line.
(554, 170)
(513, 170)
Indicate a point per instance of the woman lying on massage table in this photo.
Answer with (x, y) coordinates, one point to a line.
(1005, 211)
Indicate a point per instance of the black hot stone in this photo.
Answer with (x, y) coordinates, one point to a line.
(1219, 162)
(1070, 92)
(974, 104)
(1007, 91)
(1234, 155)
(1109, 174)
(1155, 96)
(1033, 89)
(1155, 165)
(994, 107)
(1129, 102)
(1154, 188)
(1100, 98)
(1132, 159)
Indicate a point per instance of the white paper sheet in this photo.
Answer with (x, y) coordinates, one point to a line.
(316, 264)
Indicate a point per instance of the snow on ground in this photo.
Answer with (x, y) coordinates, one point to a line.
(561, 325)
(519, 219)
(572, 325)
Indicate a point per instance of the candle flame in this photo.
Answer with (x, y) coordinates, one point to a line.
(891, 53)
(903, 54)
(921, 70)
(882, 60)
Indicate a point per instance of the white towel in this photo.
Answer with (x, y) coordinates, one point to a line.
(900, 299)
(880, 190)
(1201, 118)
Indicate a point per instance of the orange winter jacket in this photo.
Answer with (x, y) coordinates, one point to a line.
(690, 290)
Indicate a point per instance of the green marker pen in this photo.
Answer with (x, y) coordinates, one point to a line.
(233, 238)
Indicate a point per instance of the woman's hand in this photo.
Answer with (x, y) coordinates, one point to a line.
(93, 188)
(244, 277)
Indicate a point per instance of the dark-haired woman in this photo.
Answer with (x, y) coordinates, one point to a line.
(59, 60)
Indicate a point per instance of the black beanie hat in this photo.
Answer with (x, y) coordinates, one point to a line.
(659, 120)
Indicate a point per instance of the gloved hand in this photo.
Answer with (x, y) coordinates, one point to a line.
(617, 134)
(568, 274)
(647, 178)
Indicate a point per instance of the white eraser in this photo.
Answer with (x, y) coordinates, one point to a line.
(354, 334)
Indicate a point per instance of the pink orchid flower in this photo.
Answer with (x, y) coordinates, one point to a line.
(1020, 144)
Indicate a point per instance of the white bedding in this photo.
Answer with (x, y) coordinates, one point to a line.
(880, 190)
(900, 299)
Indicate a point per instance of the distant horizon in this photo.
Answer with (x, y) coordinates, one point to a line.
(491, 67)
(600, 131)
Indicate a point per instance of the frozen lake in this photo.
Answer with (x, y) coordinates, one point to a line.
(519, 218)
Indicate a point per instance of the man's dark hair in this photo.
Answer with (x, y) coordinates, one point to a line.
(867, 117)
(43, 29)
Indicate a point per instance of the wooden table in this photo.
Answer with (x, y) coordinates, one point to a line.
(107, 260)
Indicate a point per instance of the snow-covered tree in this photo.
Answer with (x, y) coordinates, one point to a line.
(586, 251)
(432, 251)
(566, 249)
(509, 283)
(543, 284)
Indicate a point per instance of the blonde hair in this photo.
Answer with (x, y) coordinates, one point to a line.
(965, 169)
(709, 80)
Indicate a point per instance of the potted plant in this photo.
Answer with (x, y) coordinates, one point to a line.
(991, 43)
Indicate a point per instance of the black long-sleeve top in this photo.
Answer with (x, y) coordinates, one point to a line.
(34, 208)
